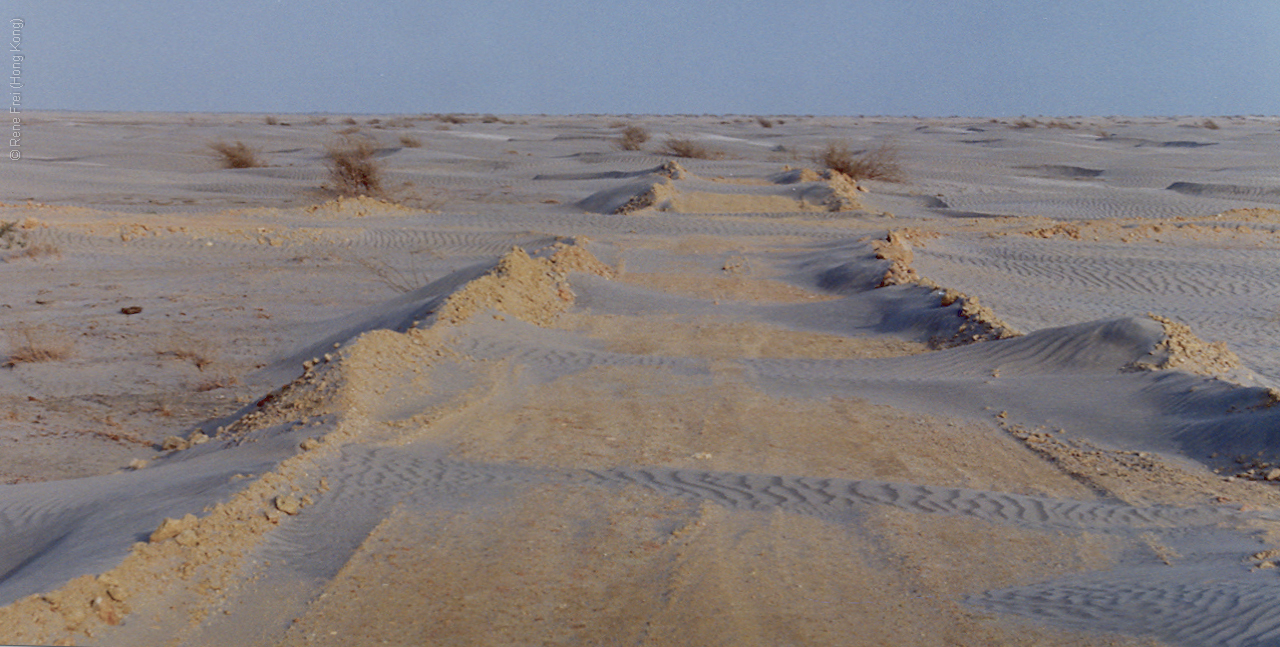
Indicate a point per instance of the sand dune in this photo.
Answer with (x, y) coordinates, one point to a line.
(553, 392)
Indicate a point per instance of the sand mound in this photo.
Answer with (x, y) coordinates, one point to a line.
(980, 322)
(840, 194)
(653, 196)
(529, 289)
(797, 176)
(1225, 226)
(1182, 350)
(672, 170)
(358, 207)
(835, 193)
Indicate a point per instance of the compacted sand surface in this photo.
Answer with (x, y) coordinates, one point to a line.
(547, 391)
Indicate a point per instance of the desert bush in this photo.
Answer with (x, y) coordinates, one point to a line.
(685, 147)
(764, 122)
(272, 121)
(11, 236)
(34, 252)
(186, 347)
(880, 163)
(34, 344)
(350, 121)
(1209, 124)
(352, 169)
(237, 155)
(216, 382)
(409, 141)
(632, 138)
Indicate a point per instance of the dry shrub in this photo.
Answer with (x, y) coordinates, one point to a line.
(237, 155)
(216, 382)
(272, 121)
(764, 122)
(1209, 124)
(352, 169)
(880, 163)
(34, 252)
(632, 138)
(11, 236)
(409, 141)
(34, 344)
(350, 121)
(185, 347)
(685, 147)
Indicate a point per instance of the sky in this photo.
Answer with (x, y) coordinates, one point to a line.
(980, 58)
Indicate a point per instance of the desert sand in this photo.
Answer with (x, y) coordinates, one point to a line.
(548, 391)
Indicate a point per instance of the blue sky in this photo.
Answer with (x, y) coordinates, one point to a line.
(993, 58)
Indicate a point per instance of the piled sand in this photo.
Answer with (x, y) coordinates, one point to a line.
(605, 397)
(679, 191)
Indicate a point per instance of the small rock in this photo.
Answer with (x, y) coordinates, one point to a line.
(1274, 474)
(187, 537)
(130, 310)
(310, 444)
(198, 438)
(137, 464)
(287, 505)
(174, 443)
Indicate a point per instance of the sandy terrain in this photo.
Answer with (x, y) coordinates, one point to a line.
(555, 392)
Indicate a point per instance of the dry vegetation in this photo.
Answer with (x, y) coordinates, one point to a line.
(880, 163)
(237, 155)
(11, 236)
(409, 141)
(1036, 123)
(352, 169)
(35, 344)
(632, 138)
(36, 251)
(189, 348)
(685, 147)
